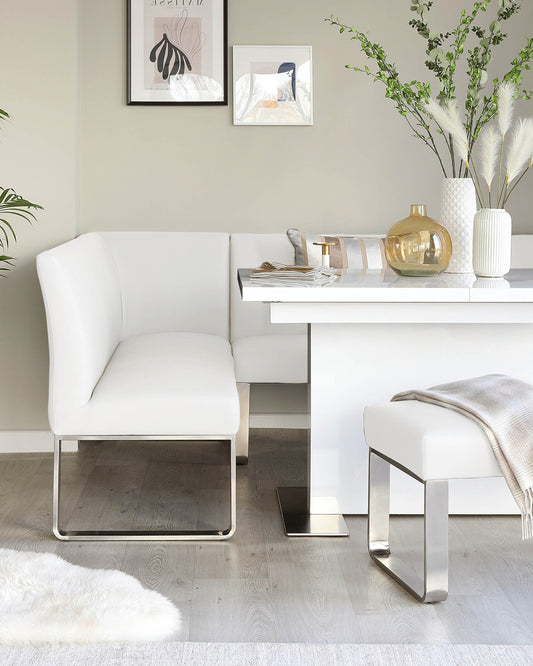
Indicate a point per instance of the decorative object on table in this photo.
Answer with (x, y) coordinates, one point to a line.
(355, 252)
(12, 207)
(457, 210)
(272, 85)
(492, 242)
(492, 226)
(177, 52)
(46, 600)
(445, 51)
(274, 274)
(325, 245)
(418, 245)
(276, 267)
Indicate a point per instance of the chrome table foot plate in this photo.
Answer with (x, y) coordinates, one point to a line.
(297, 521)
(433, 584)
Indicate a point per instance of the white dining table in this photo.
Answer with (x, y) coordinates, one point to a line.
(372, 334)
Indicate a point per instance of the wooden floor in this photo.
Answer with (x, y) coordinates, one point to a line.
(260, 585)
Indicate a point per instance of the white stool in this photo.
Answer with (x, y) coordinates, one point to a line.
(431, 444)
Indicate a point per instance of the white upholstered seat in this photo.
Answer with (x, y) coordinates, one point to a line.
(430, 441)
(163, 384)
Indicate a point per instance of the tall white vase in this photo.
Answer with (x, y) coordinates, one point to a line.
(457, 210)
(492, 242)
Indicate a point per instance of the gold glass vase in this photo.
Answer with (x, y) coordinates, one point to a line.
(418, 245)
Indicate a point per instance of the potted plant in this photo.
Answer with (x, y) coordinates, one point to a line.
(12, 208)
(468, 44)
(494, 177)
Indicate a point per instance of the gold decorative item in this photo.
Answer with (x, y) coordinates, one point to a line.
(325, 250)
(418, 245)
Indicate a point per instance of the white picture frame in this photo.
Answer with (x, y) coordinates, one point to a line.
(272, 85)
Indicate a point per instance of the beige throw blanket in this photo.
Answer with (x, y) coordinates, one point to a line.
(503, 407)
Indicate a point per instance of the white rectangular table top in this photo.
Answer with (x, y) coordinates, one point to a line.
(385, 286)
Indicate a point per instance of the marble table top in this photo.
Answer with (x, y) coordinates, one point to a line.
(385, 286)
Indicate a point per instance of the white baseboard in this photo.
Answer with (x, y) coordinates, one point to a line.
(297, 421)
(31, 441)
(42, 441)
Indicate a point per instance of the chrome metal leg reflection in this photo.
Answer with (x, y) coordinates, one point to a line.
(433, 586)
(378, 506)
(243, 434)
(143, 535)
(56, 491)
(436, 540)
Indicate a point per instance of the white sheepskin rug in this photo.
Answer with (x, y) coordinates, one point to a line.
(45, 600)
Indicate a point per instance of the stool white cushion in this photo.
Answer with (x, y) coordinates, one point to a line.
(271, 359)
(433, 442)
(163, 384)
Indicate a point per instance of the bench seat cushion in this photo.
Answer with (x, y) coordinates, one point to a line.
(271, 359)
(162, 384)
(431, 441)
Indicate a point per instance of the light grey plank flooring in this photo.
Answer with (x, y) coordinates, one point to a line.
(260, 585)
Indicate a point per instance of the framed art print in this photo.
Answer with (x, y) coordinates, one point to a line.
(177, 52)
(272, 85)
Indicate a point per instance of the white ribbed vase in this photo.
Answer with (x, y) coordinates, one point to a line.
(457, 210)
(492, 242)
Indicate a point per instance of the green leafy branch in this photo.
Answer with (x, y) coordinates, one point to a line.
(489, 106)
(409, 98)
(444, 51)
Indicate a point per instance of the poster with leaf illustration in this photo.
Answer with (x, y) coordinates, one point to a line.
(177, 52)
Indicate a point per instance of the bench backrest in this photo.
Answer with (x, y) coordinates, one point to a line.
(172, 281)
(81, 295)
(250, 251)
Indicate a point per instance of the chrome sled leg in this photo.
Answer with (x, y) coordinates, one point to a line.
(433, 586)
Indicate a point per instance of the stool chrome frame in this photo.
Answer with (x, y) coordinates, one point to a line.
(142, 535)
(433, 585)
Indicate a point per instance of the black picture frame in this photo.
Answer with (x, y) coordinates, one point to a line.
(177, 52)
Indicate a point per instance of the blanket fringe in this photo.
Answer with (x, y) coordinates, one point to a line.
(527, 514)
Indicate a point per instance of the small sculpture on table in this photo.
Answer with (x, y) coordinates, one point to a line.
(325, 251)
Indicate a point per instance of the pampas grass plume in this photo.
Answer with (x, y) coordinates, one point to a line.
(520, 150)
(490, 141)
(506, 94)
(449, 120)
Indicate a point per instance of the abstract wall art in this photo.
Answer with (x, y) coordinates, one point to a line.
(272, 85)
(177, 52)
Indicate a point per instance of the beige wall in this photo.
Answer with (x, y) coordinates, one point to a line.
(356, 169)
(38, 51)
(148, 167)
